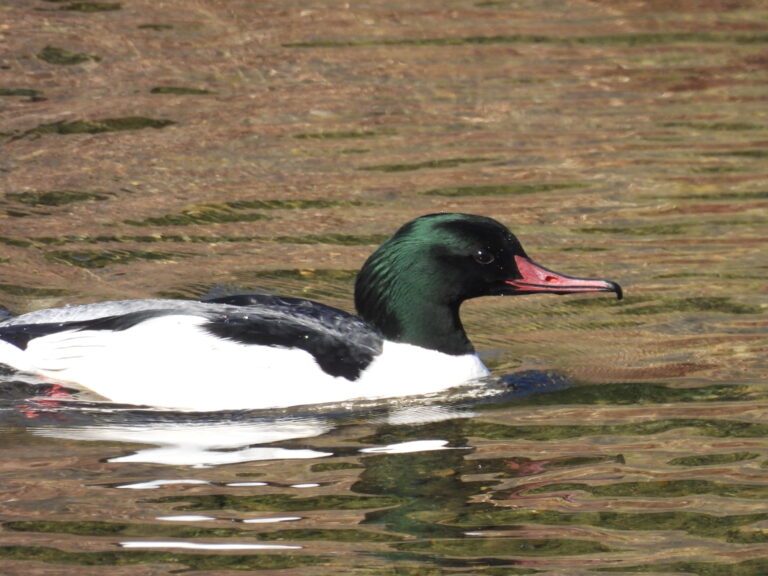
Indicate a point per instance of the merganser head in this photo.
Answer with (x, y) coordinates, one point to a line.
(411, 287)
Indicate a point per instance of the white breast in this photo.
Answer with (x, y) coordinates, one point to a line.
(407, 370)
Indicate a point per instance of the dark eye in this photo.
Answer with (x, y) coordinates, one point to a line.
(483, 257)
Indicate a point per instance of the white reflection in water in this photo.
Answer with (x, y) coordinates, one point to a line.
(270, 520)
(199, 518)
(424, 414)
(413, 446)
(155, 484)
(207, 546)
(186, 518)
(200, 444)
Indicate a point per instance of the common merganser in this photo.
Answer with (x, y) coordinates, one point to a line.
(261, 351)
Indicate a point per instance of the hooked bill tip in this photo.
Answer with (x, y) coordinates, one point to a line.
(616, 288)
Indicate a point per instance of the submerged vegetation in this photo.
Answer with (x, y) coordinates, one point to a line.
(92, 6)
(628, 39)
(444, 163)
(55, 197)
(502, 189)
(62, 57)
(64, 127)
(344, 134)
(235, 211)
(102, 258)
(87, 6)
(179, 90)
(32, 94)
(192, 561)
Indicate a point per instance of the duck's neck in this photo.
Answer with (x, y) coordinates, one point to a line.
(436, 327)
(414, 319)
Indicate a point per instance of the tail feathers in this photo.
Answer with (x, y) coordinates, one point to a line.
(14, 357)
(52, 354)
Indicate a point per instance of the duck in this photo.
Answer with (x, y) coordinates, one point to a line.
(262, 351)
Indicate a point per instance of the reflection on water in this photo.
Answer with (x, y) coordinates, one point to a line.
(406, 447)
(199, 443)
(272, 146)
(562, 474)
(207, 546)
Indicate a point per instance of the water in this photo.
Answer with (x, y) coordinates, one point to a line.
(149, 151)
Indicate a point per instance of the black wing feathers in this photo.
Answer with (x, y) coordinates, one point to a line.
(341, 343)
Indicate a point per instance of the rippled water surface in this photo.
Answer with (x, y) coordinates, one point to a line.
(184, 149)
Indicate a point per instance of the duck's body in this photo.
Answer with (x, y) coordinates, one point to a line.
(258, 351)
(244, 352)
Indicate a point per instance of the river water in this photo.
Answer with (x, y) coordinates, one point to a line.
(188, 149)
